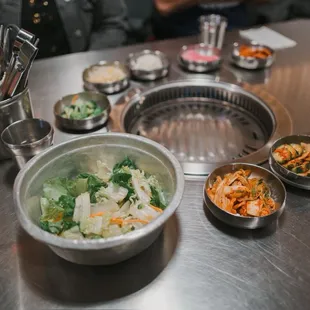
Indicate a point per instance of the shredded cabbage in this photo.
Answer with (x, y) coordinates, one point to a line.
(111, 202)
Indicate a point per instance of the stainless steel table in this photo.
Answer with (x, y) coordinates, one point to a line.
(197, 263)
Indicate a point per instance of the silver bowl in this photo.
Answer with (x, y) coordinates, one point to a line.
(107, 88)
(200, 66)
(74, 156)
(252, 63)
(284, 174)
(83, 124)
(278, 193)
(146, 75)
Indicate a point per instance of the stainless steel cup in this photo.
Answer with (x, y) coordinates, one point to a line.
(212, 30)
(27, 138)
(12, 110)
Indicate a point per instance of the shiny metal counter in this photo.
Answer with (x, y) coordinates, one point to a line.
(198, 262)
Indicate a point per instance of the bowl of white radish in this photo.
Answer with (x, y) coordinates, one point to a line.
(100, 199)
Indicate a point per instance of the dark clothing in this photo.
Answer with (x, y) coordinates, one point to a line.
(88, 24)
(185, 22)
(41, 18)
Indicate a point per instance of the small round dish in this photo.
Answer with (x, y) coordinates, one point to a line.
(199, 58)
(83, 124)
(158, 62)
(106, 84)
(278, 193)
(284, 174)
(249, 62)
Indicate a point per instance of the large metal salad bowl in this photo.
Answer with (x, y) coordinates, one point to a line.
(79, 155)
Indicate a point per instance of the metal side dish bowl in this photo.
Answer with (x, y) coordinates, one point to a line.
(106, 77)
(277, 193)
(100, 100)
(281, 171)
(199, 58)
(252, 62)
(148, 65)
(75, 156)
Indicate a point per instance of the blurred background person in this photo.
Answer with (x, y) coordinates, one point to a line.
(69, 26)
(175, 18)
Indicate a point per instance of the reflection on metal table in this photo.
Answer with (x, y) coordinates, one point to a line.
(197, 262)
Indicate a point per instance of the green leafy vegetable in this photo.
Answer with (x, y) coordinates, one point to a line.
(81, 109)
(93, 184)
(123, 180)
(68, 223)
(54, 228)
(156, 199)
(127, 162)
(140, 206)
(54, 188)
(67, 203)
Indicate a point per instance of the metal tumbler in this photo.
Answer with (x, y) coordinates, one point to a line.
(12, 110)
(212, 30)
(27, 138)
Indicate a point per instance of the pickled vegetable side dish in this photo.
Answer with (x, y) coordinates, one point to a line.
(294, 157)
(239, 194)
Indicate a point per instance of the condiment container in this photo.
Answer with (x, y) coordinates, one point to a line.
(148, 65)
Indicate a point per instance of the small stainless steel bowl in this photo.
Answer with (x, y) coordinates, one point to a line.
(80, 155)
(200, 66)
(252, 63)
(284, 174)
(107, 88)
(148, 75)
(278, 193)
(83, 124)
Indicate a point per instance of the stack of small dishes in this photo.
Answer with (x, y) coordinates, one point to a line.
(199, 58)
(244, 195)
(82, 111)
(148, 65)
(106, 77)
(252, 56)
(289, 159)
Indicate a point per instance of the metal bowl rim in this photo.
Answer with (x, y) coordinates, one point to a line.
(236, 47)
(80, 122)
(48, 136)
(245, 217)
(197, 63)
(104, 63)
(161, 55)
(99, 244)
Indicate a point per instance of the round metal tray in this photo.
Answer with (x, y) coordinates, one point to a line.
(207, 124)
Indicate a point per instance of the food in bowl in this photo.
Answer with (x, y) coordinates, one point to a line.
(294, 157)
(239, 194)
(105, 74)
(259, 52)
(81, 109)
(111, 202)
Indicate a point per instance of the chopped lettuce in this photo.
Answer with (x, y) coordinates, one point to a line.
(54, 188)
(127, 162)
(109, 202)
(158, 199)
(93, 184)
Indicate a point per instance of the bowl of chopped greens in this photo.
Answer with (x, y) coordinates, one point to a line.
(82, 111)
(99, 199)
